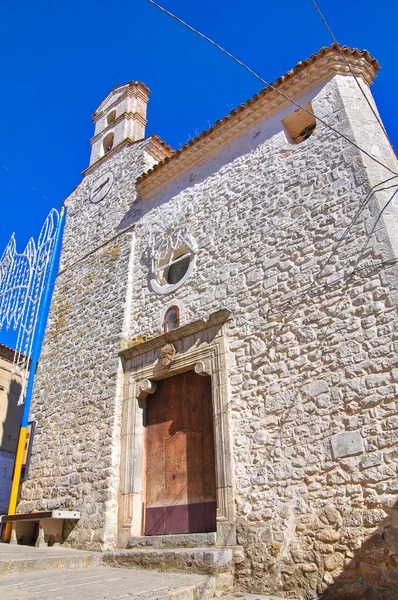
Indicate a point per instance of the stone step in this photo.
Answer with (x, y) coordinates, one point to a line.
(106, 583)
(191, 540)
(23, 559)
(216, 561)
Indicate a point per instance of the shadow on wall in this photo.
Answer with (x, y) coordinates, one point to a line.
(371, 573)
(12, 421)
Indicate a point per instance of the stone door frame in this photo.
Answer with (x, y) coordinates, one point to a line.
(199, 346)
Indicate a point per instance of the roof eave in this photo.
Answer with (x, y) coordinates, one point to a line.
(304, 76)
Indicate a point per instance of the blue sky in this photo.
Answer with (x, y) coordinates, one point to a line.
(61, 59)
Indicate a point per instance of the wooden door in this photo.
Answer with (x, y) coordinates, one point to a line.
(180, 464)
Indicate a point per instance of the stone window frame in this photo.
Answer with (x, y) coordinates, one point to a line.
(169, 309)
(158, 278)
(200, 346)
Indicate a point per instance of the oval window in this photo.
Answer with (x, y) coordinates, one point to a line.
(177, 271)
(172, 267)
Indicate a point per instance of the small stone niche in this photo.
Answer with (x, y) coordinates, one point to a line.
(108, 143)
(299, 125)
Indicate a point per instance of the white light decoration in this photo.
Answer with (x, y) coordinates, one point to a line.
(23, 278)
(171, 243)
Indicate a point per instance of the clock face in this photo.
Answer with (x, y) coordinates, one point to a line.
(101, 187)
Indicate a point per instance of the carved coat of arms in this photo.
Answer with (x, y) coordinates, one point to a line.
(167, 354)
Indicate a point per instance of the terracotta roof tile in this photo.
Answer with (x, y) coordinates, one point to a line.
(7, 352)
(333, 49)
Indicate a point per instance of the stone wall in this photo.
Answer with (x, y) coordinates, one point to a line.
(76, 399)
(312, 352)
(312, 363)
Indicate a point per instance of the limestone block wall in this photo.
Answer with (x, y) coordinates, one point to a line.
(76, 396)
(312, 351)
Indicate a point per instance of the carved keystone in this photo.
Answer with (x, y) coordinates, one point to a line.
(146, 387)
(167, 355)
(203, 368)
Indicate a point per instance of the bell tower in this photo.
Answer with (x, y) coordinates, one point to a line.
(120, 118)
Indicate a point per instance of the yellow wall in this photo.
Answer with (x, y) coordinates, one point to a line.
(10, 412)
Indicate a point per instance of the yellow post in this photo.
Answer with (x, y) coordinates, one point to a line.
(16, 480)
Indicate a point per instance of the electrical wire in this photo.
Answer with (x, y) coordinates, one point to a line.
(362, 207)
(275, 89)
(350, 69)
(21, 181)
(353, 271)
(293, 305)
(377, 220)
(278, 91)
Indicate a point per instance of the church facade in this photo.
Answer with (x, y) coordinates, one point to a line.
(220, 359)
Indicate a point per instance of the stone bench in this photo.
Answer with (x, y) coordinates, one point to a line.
(50, 525)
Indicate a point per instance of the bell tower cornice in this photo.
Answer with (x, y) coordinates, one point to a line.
(120, 118)
(121, 92)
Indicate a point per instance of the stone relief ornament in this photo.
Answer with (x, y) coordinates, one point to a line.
(203, 368)
(167, 355)
(171, 231)
(145, 388)
(172, 249)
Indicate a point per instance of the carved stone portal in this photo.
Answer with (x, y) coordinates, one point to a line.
(203, 368)
(167, 355)
(199, 346)
(146, 387)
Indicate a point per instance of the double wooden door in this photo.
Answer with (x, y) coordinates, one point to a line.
(180, 462)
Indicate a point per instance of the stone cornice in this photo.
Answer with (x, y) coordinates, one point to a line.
(115, 150)
(305, 76)
(125, 115)
(140, 347)
(156, 148)
(132, 88)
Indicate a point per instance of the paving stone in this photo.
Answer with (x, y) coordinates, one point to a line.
(102, 582)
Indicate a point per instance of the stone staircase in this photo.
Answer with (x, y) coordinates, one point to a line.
(191, 553)
(194, 556)
(25, 559)
(27, 572)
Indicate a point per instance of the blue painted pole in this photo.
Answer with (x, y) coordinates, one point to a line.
(37, 343)
(42, 318)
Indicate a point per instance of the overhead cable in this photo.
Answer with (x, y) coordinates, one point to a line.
(275, 89)
(387, 204)
(361, 208)
(343, 236)
(315, 279)
(22, 181)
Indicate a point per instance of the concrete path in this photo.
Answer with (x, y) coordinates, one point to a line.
(65, 574)
(56, 573)
(99, 583)
(21, 559)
